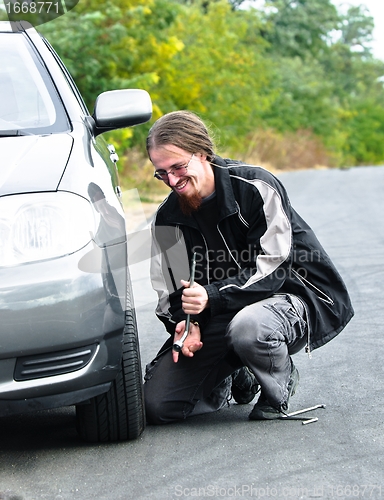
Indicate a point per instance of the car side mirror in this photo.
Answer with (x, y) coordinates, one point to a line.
(121, 108)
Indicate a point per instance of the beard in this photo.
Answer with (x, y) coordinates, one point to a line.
(190, 204)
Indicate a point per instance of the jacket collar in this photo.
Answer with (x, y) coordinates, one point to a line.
(224, 192)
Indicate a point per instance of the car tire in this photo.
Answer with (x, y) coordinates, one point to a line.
(118, 414)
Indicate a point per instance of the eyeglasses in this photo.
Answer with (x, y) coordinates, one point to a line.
(162, 175)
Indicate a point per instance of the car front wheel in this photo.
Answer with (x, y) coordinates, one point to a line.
(118, 414)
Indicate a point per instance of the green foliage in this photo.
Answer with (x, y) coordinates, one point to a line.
(221, 73)
(112, 45)
(365, 128)
(305, 97)
(326, 78)
(296, 72)
(300, 27)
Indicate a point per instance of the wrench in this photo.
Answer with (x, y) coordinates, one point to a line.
(178, 345)
(291, 416)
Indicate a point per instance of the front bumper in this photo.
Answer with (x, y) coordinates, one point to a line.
(68, 305)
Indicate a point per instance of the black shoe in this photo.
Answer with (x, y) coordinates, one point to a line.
(263, 410)
(244, 386)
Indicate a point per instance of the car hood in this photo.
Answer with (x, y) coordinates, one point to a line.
(33, 163)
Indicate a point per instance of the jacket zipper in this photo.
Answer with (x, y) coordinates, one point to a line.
(241, 217)
(206, 249)
(229, 251)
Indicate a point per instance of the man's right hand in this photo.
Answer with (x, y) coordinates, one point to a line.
(194, 298)
(192, 343)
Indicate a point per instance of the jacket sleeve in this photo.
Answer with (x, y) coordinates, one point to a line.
(169, 265)
(269, 233)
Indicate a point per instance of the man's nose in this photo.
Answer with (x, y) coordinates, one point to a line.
(172, 179)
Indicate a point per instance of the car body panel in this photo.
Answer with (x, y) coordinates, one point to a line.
(50, 153)
(70, 302)
(64, 306)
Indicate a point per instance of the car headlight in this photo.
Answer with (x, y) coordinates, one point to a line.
(42, 226)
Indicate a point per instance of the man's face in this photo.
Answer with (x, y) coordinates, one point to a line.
(190, 176)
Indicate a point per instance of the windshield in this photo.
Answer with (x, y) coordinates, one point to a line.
(29, 103)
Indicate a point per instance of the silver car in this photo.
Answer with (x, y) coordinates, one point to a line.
(68, 332)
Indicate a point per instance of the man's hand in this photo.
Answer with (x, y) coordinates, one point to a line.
(192, 343)
(195, 299)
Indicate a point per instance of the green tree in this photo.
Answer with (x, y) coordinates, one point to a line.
(109, 45)
(305, 99)
(113, 45)
(326, 78)
(358, 87)
(365, 129)
(300, 27)
(356, 29)
(296, 65)
(221, 72)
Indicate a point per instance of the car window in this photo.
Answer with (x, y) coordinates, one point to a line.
(29, 102)
(68, 77)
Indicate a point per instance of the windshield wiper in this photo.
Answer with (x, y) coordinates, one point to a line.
(12, 133)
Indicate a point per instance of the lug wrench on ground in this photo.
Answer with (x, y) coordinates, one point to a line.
(291, 416)
(178, 345)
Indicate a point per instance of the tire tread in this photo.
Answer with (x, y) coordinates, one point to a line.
(119, 413)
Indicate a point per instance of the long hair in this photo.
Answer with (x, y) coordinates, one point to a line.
(183, 129)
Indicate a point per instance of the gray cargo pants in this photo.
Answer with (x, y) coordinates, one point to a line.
(261, 336)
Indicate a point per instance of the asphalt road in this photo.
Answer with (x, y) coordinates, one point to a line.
(223, 455)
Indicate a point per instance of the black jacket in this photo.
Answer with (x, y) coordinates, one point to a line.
(272, 248)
